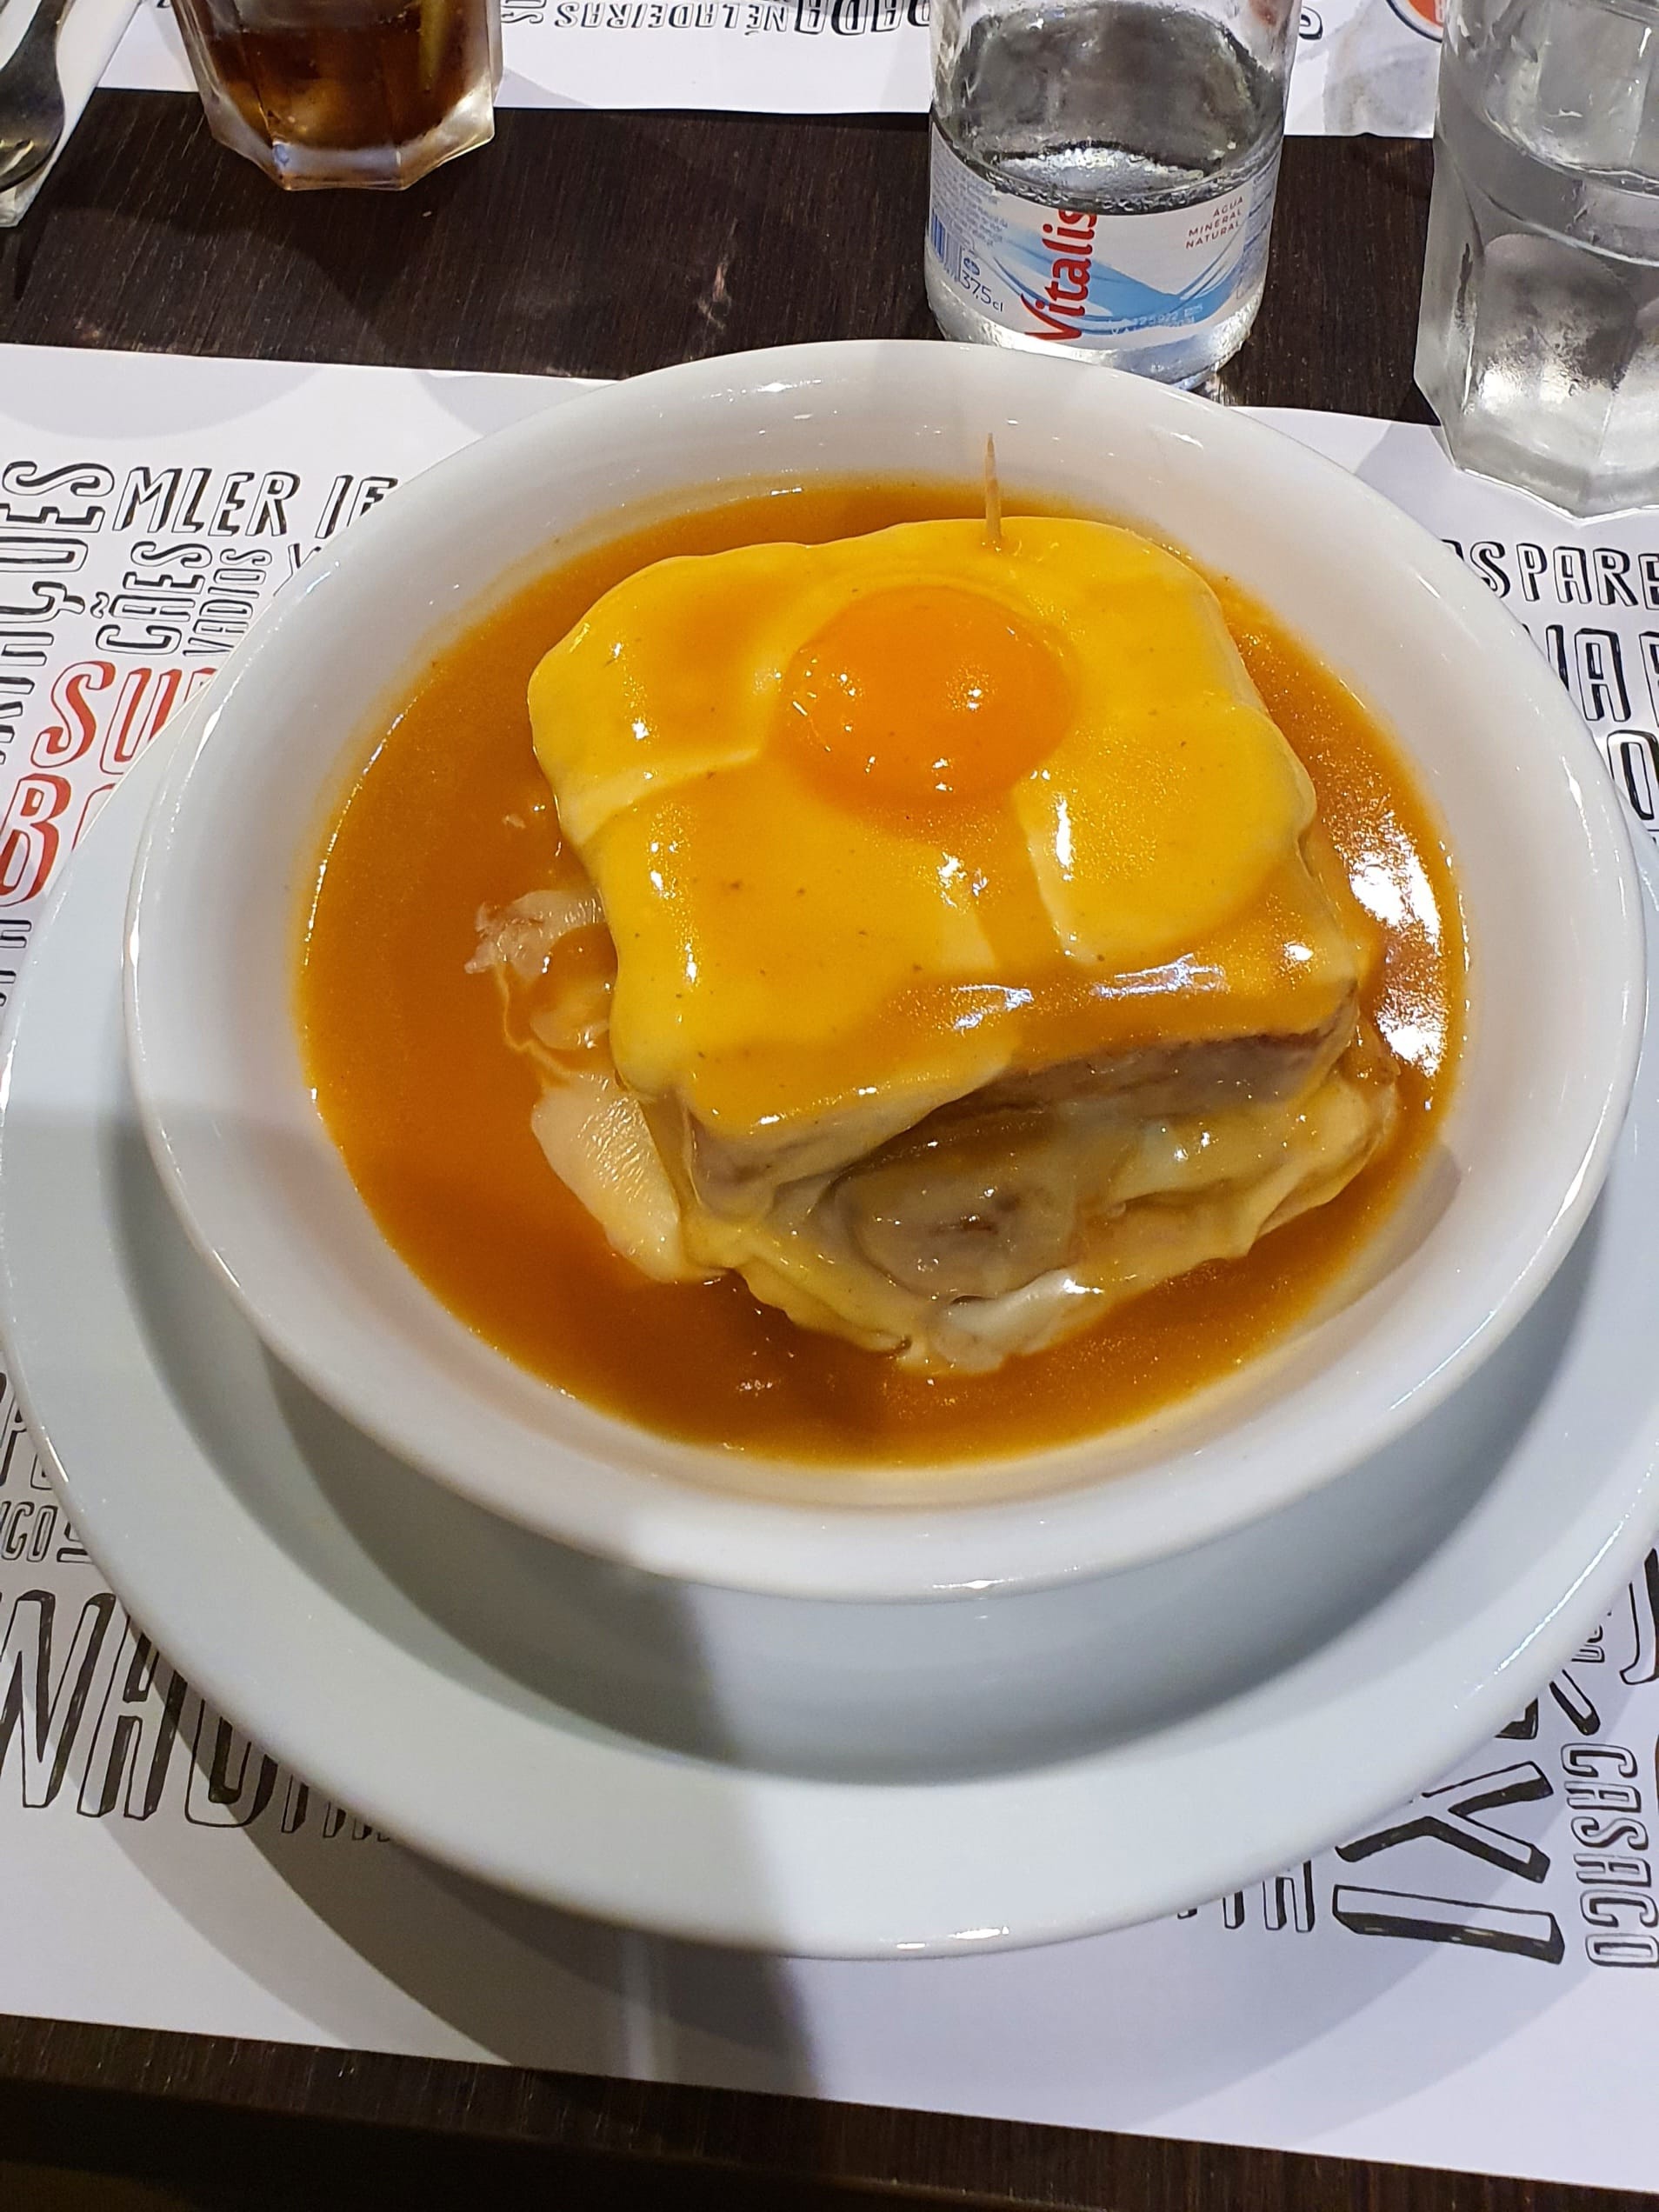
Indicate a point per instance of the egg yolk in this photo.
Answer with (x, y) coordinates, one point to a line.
(927, 692)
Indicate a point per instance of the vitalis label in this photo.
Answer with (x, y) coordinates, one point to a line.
(1068, 276)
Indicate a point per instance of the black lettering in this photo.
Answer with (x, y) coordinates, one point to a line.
(1575, 1705)
(1603, 693)
(371, 491)
(1601, 1835)
(1288, 1900)
(1486, 560)
(271, 516)
(230, 1782)
(232, 503)
(1644, 1619)
(176, 567)
(150, 491)
(145, 1699)
(1615, 1796)
(334, 507)
(1633, 755)
(19, 550)
(1591, 1759)
(1624, 1874)
(1401, 1912)
(41, 1713)
(191, 517)
(1618, 1911)
(1448, 1817)
(1613, 576)
(1572, 575)
(80, 482)
(1623, 1951)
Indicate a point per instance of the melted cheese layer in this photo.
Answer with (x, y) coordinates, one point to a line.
(791, 946)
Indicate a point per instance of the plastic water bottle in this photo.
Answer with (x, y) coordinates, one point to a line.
(1102, 174)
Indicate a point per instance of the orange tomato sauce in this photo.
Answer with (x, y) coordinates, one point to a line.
(431, 1109)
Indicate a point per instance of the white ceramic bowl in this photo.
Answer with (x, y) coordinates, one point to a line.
(1541, 855)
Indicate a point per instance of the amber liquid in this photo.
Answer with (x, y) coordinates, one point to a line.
(338, 79)
(431, 1110)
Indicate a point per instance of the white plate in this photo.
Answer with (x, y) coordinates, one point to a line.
(799, 1776)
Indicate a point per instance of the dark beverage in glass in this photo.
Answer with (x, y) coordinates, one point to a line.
(366, 92)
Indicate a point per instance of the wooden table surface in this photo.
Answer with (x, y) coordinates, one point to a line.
(601, 245)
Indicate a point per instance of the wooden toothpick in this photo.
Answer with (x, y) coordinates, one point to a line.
(992, 499)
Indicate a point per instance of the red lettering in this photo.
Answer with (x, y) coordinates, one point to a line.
(66, 739)
(1050, 326)
(1064, 299)
(139, 714)
(29, 837)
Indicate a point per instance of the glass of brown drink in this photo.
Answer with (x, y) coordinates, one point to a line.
(367, 92)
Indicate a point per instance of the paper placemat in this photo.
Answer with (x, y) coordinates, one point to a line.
(1473, 1983)
(1360, 64)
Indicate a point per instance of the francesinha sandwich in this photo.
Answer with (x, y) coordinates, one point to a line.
(954, 951)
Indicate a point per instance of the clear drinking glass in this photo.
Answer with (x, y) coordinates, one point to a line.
(364, 92)
(1538, 335)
